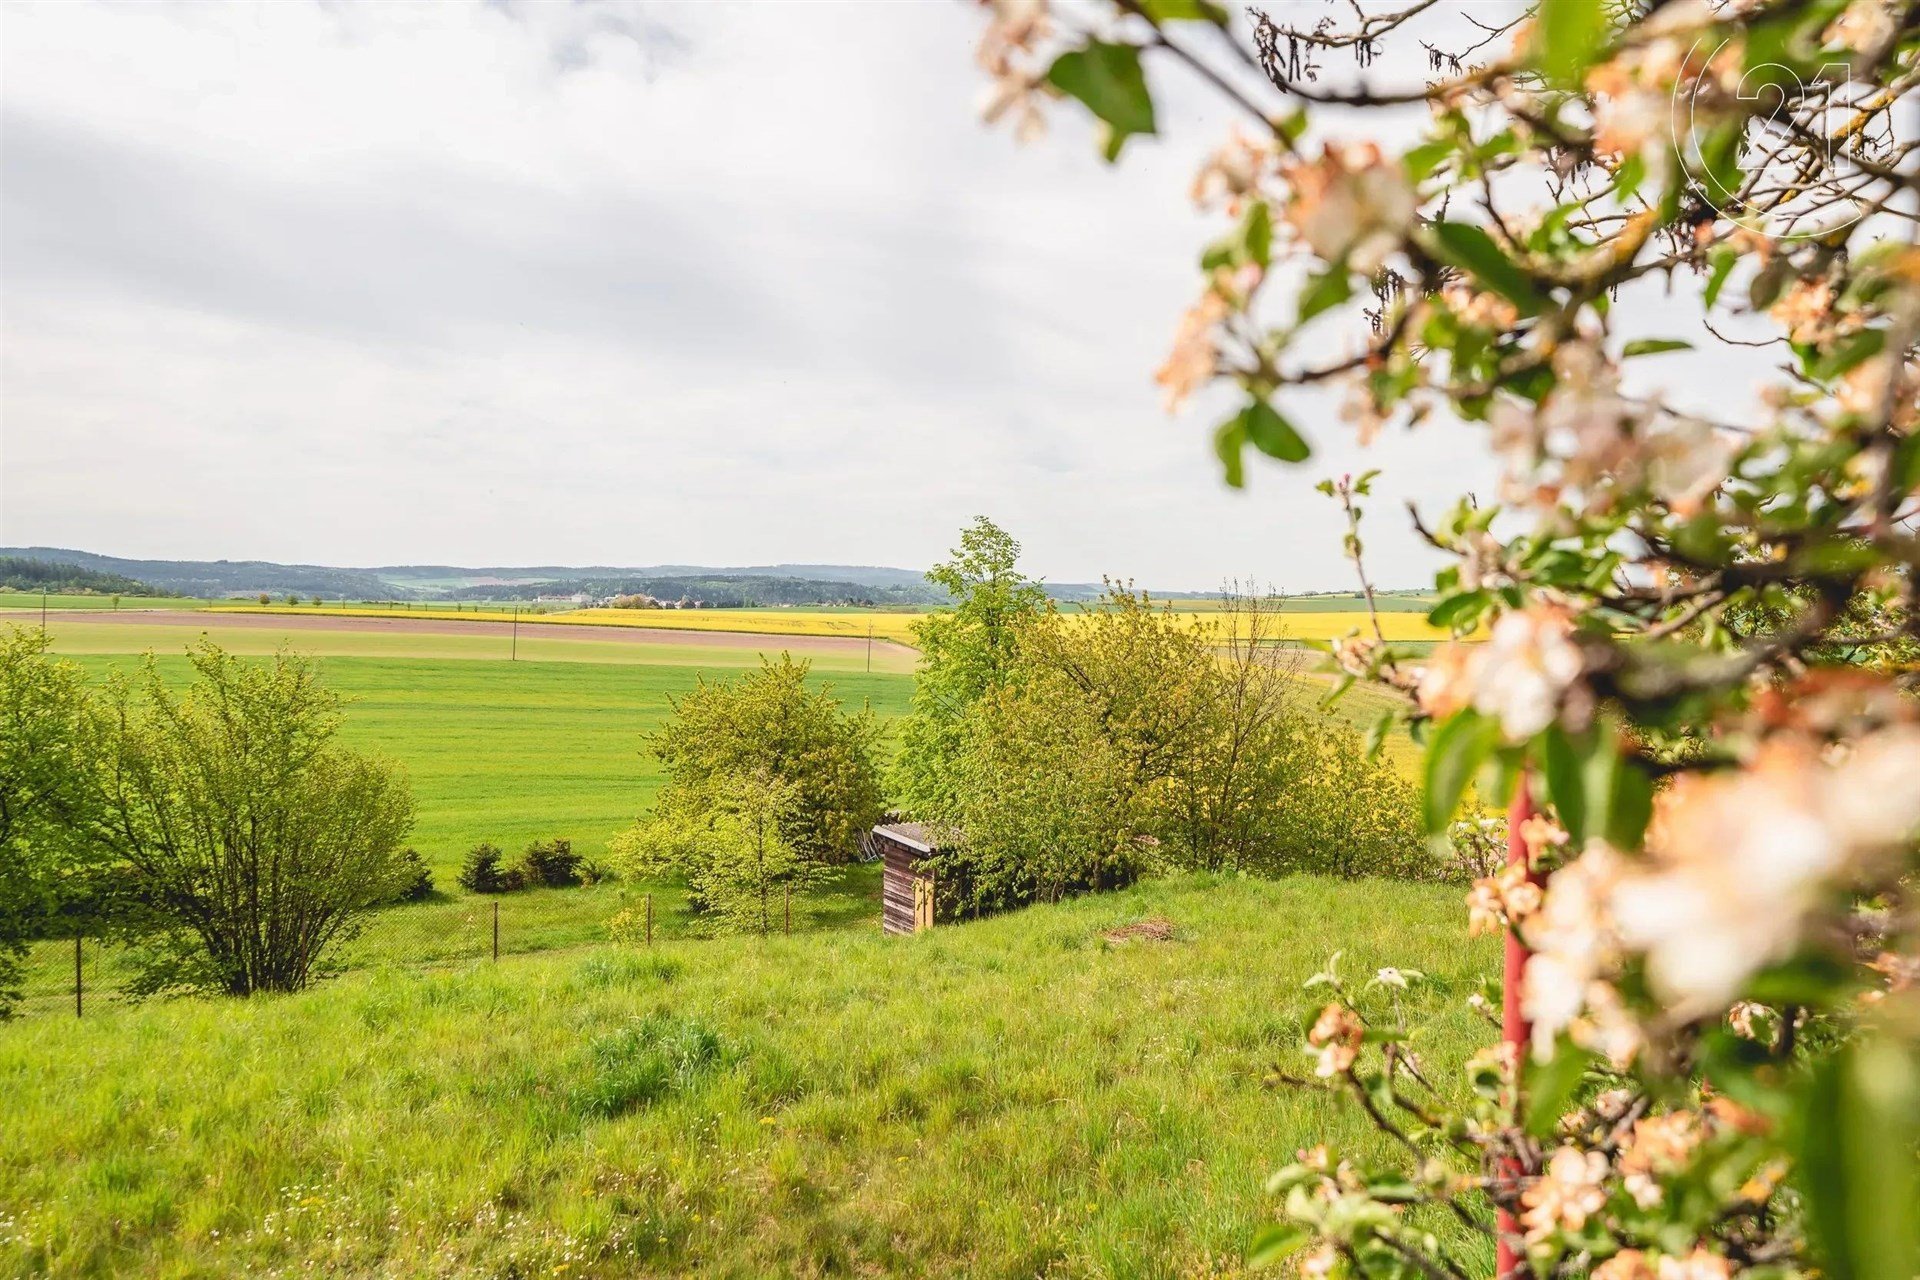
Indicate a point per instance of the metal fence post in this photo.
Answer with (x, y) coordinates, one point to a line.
(496, 931)
(649, 920)
(78, 1006)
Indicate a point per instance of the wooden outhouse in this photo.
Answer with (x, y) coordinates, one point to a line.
(906, 892)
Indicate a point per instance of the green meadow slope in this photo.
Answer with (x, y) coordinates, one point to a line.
(1014, 1097)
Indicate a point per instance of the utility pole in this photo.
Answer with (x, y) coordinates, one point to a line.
(43, 611)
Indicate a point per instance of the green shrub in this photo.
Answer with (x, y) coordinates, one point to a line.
(254, 841)
(768, 722)
(550, 864)
(416, 877)
(1125, 739)
(481, 872)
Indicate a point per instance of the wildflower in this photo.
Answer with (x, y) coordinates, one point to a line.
(1729, 1114)
(1446, 681)
(1354, 654)
(1573, 938)
(1805, 310)
(1479, 308)
(1233, 172)
(1007, 53)
(1506, 897)
(1319, 1262)
(1336, 1034)
(1606, 1028)
(1572, 1190)
(1540, 833)
(1658, 1145)
(1698, 1265)
(1351, 205)
(1742, 860)
(1195, 357)
(1864, 26)
(1528, 664)
(1686, 459)
(1628, 1264)
(1747, 1018)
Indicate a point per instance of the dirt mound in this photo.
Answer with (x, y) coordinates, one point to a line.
(1155, 929)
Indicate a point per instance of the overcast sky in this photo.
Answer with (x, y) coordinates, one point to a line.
(607, 283)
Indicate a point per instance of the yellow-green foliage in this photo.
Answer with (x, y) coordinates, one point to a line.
(1005, 1098)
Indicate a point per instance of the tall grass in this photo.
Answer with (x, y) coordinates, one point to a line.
(1012, 1097)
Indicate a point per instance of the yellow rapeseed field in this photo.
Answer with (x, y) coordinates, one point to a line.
(764, 622)
(852, 624)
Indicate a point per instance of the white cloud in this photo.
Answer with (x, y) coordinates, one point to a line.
(604, 283)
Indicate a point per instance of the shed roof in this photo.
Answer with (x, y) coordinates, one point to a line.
(911, 834)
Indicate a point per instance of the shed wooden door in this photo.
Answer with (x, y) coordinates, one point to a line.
(922, 902)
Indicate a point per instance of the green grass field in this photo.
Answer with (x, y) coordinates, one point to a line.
(512, 752)
(498, 751)
(1015, 1097)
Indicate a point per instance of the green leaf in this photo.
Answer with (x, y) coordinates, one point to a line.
(1454, 755)
(1460, 610)
(1377, 733)
(1722, 266)
(1654, 346)
(1229, 442)
(1425, 158)
(1256, 232)
(1861, 1123)
(1570, 34)
(1848, 353)
(1107, 78)
(1276, 1242)
(1566, 782)
(1472, 250)
(1550, 1086)
(1158, 11)
(1328, 289)
(1272, 434)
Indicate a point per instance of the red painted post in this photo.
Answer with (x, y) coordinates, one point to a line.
(1513, 1022)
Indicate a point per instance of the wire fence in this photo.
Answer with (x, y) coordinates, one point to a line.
(79, 976)
(74, 976)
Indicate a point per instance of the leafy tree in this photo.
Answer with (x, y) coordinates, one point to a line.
(1721, 1075)
(49, 731)
(253, 841)
(768, 721)
(966, 652)
(728, 841)
(1122, 739)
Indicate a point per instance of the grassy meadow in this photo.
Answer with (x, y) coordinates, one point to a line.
(501, 751)
(1014, 1097)
(496, 750)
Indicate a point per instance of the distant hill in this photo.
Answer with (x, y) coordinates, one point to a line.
(776, 584)
(25, 573)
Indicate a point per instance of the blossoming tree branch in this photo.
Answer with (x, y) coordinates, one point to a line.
(1687, 642)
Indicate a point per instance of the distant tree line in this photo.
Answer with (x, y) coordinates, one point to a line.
(715, 591)
(20, 573)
